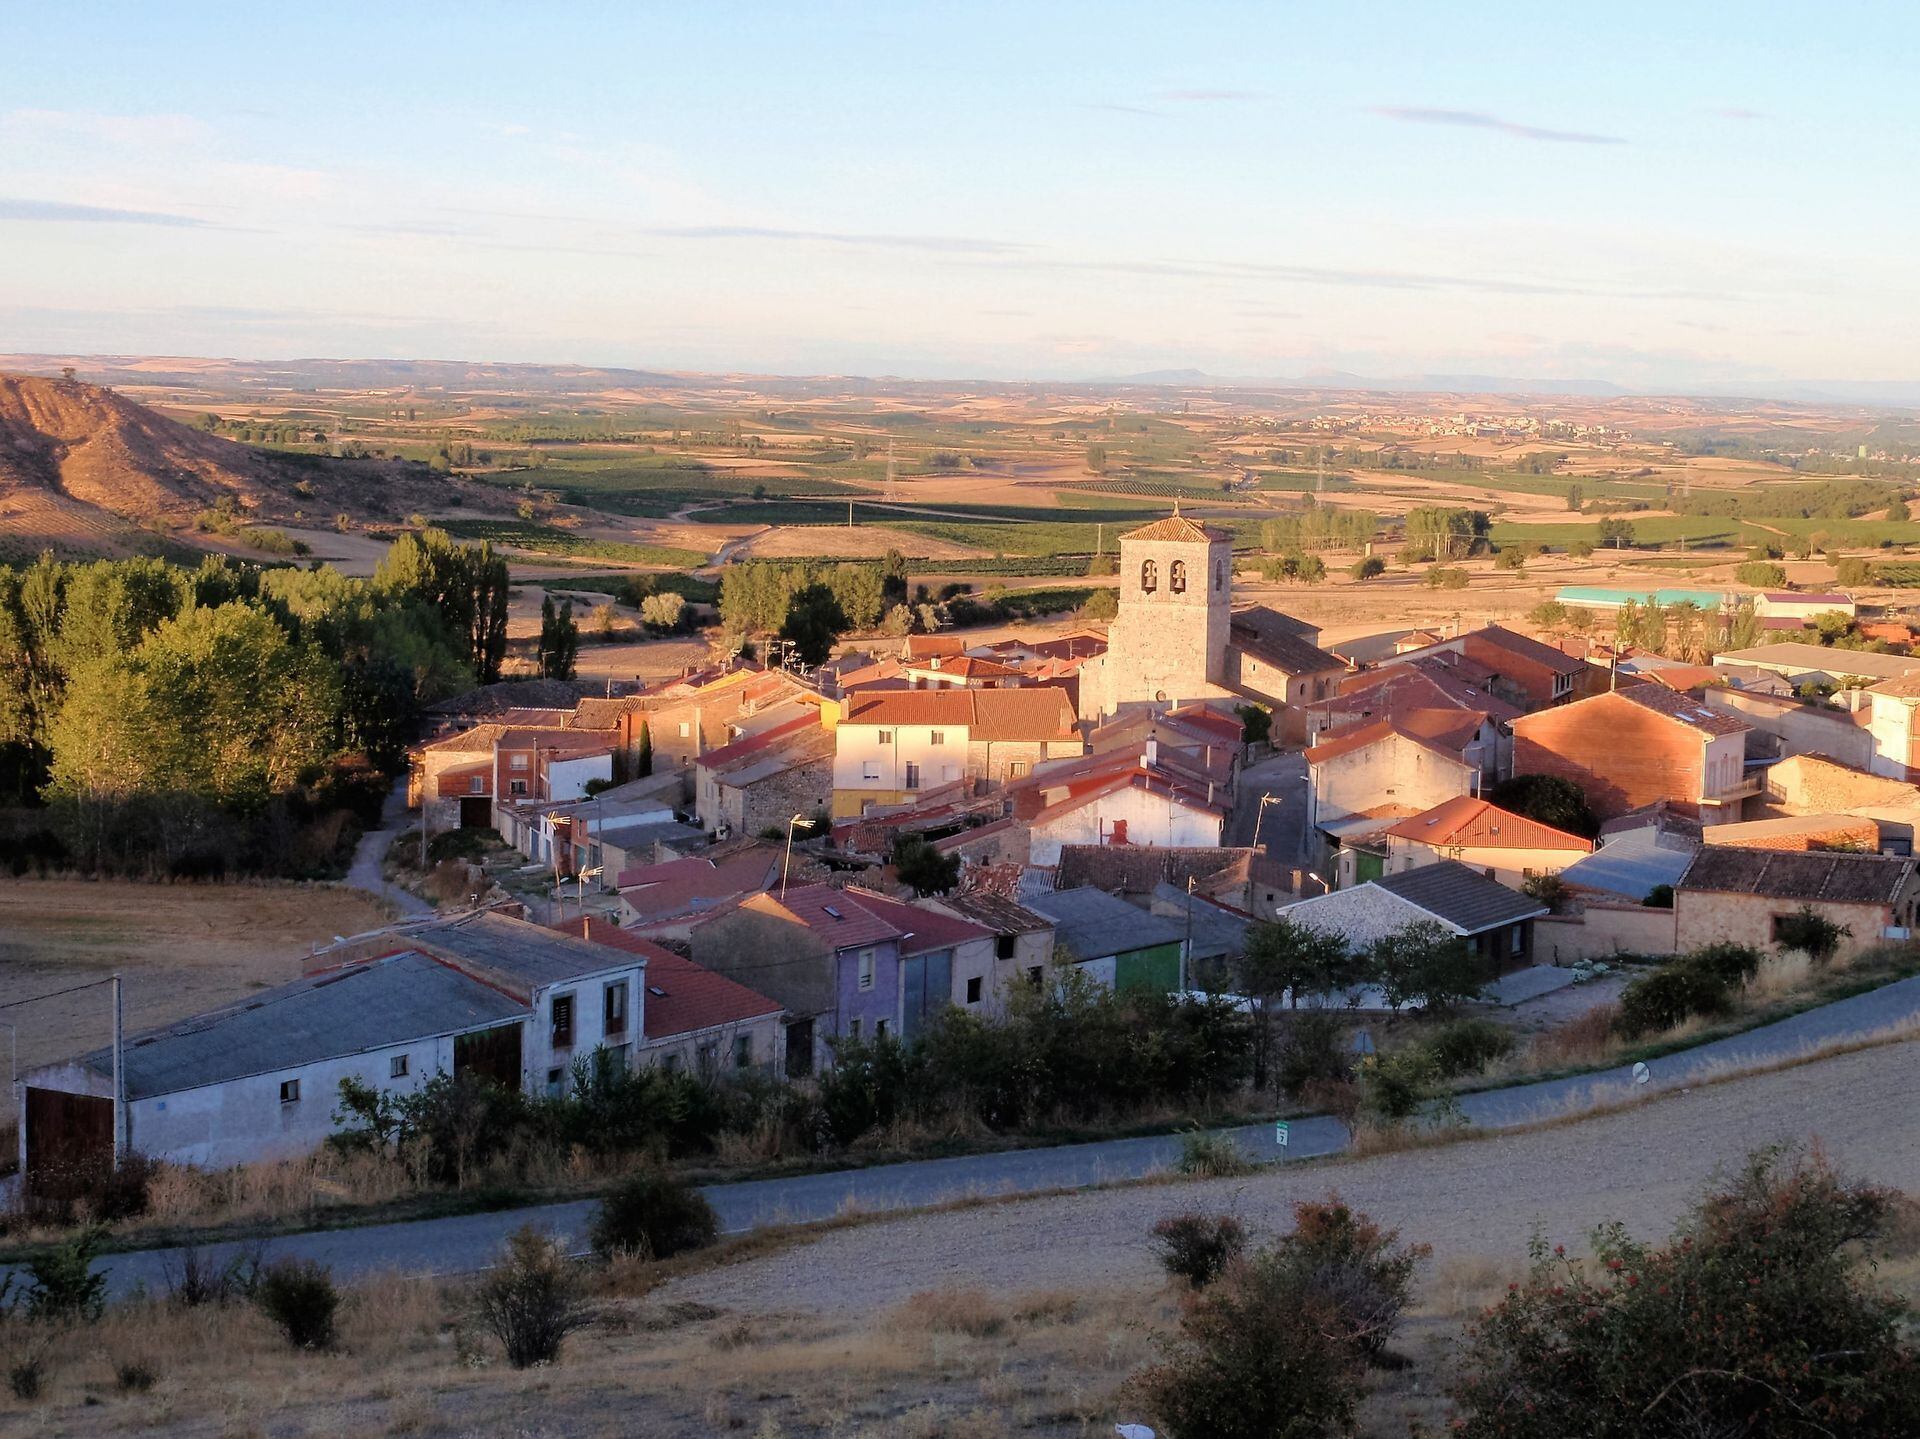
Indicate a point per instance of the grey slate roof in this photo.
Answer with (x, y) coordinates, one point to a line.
(1095, 925)
(1798, 874)
(517, 952)
(396, 1000)
(1462, 896)
(1632, 863)
(1217, 933)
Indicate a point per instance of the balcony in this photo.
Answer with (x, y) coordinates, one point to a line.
(1746, 788)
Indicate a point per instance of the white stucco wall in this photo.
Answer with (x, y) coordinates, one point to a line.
(567, 778)
(858, 745)
(538, 1055)
(1391, 771)
(1151, 819)
(1510, 866)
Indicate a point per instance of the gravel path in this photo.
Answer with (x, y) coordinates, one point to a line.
(1480, 1198)
(365, 872)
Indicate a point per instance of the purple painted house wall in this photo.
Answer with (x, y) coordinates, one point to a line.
(869, 1006)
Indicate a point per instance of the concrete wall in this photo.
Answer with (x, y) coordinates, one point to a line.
(1799, 728)
(1393, 770)
(712, 1051)
(540, 1058)
(781, 958)
(1154, 820)
(1890, 730)
(1621, 755)
(1603, 931)
(1510, 866)
(1704, 918)
(865, 771)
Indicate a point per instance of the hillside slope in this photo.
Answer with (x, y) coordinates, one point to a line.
(83, 469)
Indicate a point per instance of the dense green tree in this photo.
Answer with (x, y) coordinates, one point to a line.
(1423, 964)
(1550, 799)
(860, 591)
(814, 621)
(466, 585)
(559, 639)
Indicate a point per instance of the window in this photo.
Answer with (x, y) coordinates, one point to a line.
(742, 1051)
(1033, 976)
(397, 1067)
(1149, 576)
(289, 1091)
(556, 1081)
(617, 1056)
(614, 1008)
(1177, 577)
(1016, 768)
(1003, 946)
(476, 785)
(870, 769)
(866, 969)
(519, 761)
(1219, 574)
(853, 1029)
(913, 775)
(879, 1029)
(561, 1011)
(973, 990)
(708, 1056)
(1519, 940)
(685, 729)
(886, 736)
(938, 736)
(671, 1063)
(517, 786)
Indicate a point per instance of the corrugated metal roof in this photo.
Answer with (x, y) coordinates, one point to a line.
(519, 953)
(396, 1000)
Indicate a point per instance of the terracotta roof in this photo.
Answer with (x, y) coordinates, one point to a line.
(921, 930)
(1527, 648)
(1445, 732)
(1466, 821)
(1154, 782)
(659, 891)
(1903, 687)
(1684, 677)
(1418, 684)
(1040, 713)
(965, 666)
(1178, 527)
(1274, 638)
(1219, 727)
(843, 921)
(753, 744)
(1799, 874)
(682, 997)
(1684, 708)
(920, 646)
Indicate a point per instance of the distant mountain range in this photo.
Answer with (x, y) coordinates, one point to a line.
(1902, 394)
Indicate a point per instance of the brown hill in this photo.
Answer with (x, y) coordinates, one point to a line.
(83, 469)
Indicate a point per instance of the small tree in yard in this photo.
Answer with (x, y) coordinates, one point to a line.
(1423, 964)
(1283, 959)
(654, 1214)
(1367, 568)
(919, 864)
(1196, 1247)
(532, 1299)
(299, 1296)
(1754, 1320)
(1812, 933)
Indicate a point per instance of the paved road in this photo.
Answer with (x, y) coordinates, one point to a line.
(1283, 830)
(365, 873)
(468, 1242)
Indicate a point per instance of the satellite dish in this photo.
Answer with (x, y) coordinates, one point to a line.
(1641, 1074)
(1133, 1431)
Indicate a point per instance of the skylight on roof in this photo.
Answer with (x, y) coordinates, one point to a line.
(832, 911)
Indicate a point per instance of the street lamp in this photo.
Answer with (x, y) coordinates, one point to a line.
(798, 819)
(1261, 814)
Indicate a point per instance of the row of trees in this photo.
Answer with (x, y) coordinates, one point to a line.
(180, 720)
(1319, 527)
(810, 605)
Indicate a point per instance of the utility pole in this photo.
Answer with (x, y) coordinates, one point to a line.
(798, 819)
(1186, 950)
(119, 1077)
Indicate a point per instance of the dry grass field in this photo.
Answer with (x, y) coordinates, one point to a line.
(178, 948)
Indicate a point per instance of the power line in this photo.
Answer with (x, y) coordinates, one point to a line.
(55, 994)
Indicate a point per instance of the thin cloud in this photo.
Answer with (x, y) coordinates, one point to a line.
(935, 244)
(60, 212)
(1116, 109)
(108, 129)
(1475, 120)
(1207, 97)
(1740, 112)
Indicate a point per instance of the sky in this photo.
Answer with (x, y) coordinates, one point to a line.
(1660, 195)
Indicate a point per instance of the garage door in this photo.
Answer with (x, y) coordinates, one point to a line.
(69, 1136)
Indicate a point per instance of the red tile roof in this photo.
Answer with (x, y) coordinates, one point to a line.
(752, 744)
(1478, 823)
(921, 930)
(657, 891)
(1444, 731)
(1040, 713)
(1177, 527)
(1684, 708)
(844, 922)
(920, 646)
(682, 997)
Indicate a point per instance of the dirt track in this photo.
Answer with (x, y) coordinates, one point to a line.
(1483, 1198)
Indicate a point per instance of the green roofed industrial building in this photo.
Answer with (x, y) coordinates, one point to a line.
(1599, 597)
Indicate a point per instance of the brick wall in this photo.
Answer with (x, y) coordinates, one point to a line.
(1621, 755)
(1705, 918)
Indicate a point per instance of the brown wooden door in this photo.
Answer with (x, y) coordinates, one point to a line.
(476, 812)
(490, 1054)
(68, 1136)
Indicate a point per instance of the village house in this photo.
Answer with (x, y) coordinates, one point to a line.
(1424, 685)
(260, 1079)
(1496, 922)
(1800, 664)
(1124, 801)
(1634, 746)
(664, 899)
(847, 963)
(1511, 667)
(1023, 942)
(1364, 779)
(761, 781)
(1240, 878)
(458, 779)
(1113, 943)
(1502, 845)
(1743, 895)
(891, 744)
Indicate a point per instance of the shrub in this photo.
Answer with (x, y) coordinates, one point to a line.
(1467, 1046)
(1752, 1320)
(62, 1284)
(653, 1214)
(1550, 799)
(299, 1296)
(1672, 994)
(1399, 1085)
(1732, 964)
(133, 1376)
(531, 1300)
(1346, 1259)
(27, 1374)
(1315, 1049)
(1212, 1156)
(1549, 889)
(1659, 897)
(1811, 933)
(1196, 1247)
(1446, 577)
(1277, 1346)
(193, 1280)
(1367, 568)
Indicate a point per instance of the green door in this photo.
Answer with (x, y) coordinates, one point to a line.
(1368, 865)
(1157, 969)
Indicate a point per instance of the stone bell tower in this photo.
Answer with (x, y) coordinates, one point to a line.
(1168, 644)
